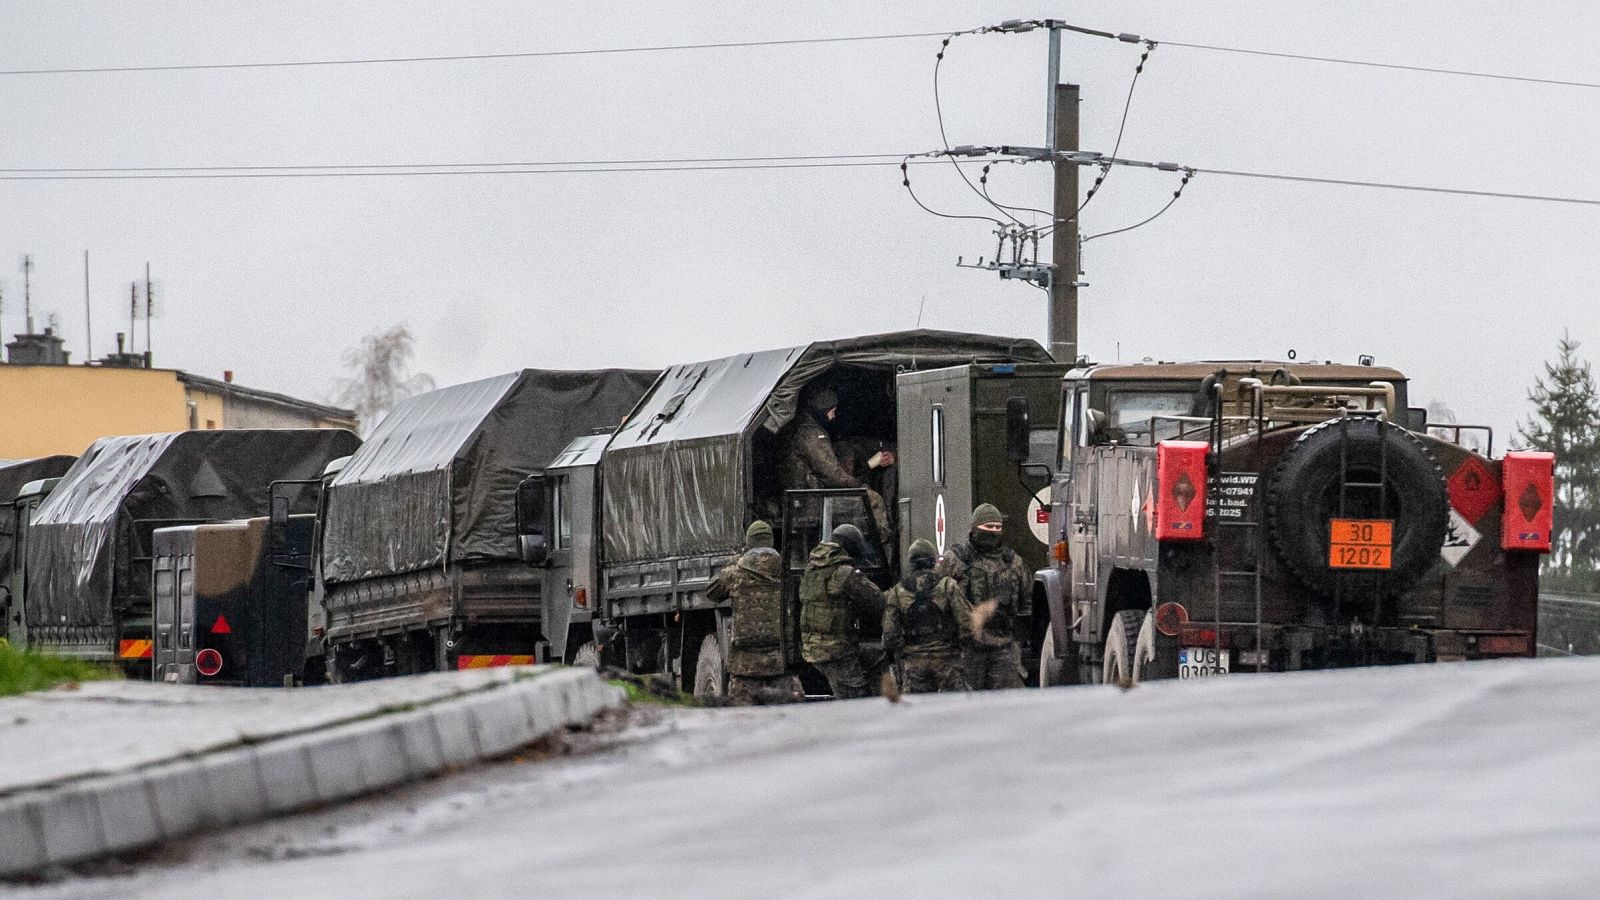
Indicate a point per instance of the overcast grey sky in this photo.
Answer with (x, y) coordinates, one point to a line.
(274, 278)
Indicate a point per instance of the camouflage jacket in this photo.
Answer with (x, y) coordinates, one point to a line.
(835, 602)
(1001, 576)
(924, 631)
(753, 586)
(811, 462)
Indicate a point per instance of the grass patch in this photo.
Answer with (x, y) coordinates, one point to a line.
(22, 671)
(652, 689)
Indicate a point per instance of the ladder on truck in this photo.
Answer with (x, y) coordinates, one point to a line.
(1246, 527)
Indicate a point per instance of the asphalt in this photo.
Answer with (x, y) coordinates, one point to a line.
(1452, 780)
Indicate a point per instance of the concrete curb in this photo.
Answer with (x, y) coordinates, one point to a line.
(98, 816)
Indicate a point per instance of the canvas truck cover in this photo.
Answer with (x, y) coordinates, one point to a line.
(673, 476)
(437, 479)
(84, 537)
(14, 474)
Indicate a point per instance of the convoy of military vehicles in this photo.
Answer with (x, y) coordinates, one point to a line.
(1184, 520)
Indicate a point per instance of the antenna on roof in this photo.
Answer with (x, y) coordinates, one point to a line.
(88, 322)
(27, 291)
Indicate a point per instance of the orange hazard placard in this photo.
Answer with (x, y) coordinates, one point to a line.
(1360, 543)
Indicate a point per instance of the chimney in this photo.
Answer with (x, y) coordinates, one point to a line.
(227, 375)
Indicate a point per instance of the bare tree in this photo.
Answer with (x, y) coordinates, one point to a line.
(380, 375)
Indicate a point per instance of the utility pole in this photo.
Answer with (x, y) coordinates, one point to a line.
(149, 312)
(1064, 240)
(88, 325)
(27, 292)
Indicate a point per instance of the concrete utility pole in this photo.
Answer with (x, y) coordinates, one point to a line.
(1064, 240)
(1061, 134)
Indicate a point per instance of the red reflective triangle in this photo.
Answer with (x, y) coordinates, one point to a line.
(220, 626)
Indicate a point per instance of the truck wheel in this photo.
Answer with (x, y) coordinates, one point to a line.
(1116, 666)
(1144, 649)
(708, 669)
(1052, 670)
(587, 656)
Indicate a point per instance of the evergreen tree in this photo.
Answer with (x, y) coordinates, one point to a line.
(1566, 422)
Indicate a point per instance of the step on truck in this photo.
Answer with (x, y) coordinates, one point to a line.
(635, 526)
(419, 560)
(1217, 518)
(87, 550)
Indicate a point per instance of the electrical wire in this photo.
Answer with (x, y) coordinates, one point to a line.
(397, 173)
(461, 165)
(983, 182)
(1404, 67)
(470, 57)
(938, 109)
(905, 179)
(1175, 195)
(1395, 186)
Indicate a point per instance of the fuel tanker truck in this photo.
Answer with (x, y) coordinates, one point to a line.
(1213, 518)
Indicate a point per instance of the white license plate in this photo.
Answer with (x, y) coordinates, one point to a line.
(1201, 662)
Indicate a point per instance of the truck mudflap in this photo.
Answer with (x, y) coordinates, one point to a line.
(1200, 649)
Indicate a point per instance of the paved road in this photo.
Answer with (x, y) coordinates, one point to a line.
(1461, 780)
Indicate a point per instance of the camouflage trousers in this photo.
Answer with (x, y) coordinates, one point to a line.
(847, 678)
(762, 690)
(932, 674)
(993, 668)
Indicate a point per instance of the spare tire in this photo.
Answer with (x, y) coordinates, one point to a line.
(1303, 498)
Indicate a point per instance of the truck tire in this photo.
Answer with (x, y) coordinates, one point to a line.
(1116, 665)
(1144, 649)
(708, 669)
(1052, 670)
(1303, 497)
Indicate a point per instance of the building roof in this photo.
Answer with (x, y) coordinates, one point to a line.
(260, 396)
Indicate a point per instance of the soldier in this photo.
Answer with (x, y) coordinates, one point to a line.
(812, 462)
(753, 584)
(835, 600)
(997, 596)
(920, 625)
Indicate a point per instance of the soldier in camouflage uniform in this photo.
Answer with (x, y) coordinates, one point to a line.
(997, 596)
(921, 625)
(753, 585)
(813, 462)
(835, 600)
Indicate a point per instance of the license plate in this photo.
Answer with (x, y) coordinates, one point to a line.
(1360, 543)
(1201, 662)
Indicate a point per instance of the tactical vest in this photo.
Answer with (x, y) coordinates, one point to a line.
(757, 613)
(824, 608)
(925, 622)
(982, 585)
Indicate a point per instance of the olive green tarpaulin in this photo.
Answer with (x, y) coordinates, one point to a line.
(674, 475)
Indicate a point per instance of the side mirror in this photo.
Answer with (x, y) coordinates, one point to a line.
(1018, 428)
(278, 512)
(1418, 418)
(532, 511)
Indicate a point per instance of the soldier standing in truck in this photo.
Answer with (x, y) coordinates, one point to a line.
(922, 625)
(812, 462)
(996, 587)
(835, 599)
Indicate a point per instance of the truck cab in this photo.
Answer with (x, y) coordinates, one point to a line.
(1215, 517)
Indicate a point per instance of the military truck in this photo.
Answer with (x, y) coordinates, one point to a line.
(230, 601)
(419, 556)
(87, 553)
(1222, 517)
(19, 477)
(701, 456)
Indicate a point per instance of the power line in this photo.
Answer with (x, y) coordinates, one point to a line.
(574, 169)
(471, 57)
(1395, 186)
(1404, 67)
(459, 165)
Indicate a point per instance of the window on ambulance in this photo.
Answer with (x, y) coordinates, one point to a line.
(1071, 427)
(936, 442)
(1130, 415)
(185, 617)
(561, 494)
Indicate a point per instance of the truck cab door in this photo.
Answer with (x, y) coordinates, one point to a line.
(1081, 518)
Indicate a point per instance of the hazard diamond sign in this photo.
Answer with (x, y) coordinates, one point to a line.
(1473, 489)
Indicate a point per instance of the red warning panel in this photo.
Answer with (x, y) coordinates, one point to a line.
(220, 626)
(1474, 490)
(1530, 494)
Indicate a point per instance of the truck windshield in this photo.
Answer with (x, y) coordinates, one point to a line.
(1130, 413)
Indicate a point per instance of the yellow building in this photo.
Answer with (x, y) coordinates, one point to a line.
(48, 409)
